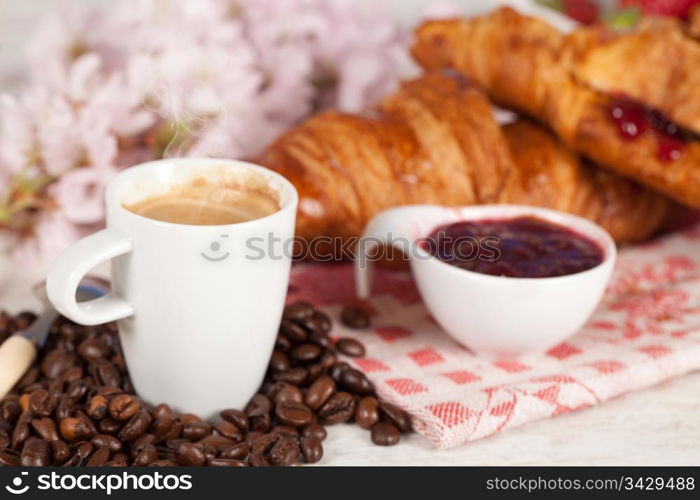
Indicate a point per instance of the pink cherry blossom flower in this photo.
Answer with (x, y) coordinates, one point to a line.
(124, 82)
(80, 194)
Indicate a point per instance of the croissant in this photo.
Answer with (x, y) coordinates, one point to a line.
(628, 102)
(436, 141)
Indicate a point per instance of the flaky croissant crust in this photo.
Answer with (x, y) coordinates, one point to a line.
(436, 141)
(525, 64)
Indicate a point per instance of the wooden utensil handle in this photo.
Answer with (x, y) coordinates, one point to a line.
(16, 355)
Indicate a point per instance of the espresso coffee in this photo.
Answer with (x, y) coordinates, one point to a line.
(205, 202)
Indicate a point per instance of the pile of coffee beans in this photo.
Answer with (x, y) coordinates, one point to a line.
(76, 405)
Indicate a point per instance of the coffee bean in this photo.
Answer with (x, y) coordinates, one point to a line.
(285, 430)
(261, 444)
(41, 404)
(56, 387)
(65, 408)
(313, 371)
(106, 373)
(294, 333)
(316, 323)
(99, 457)
(147, 455)
(226, 462)
(356, 382)
(195, 431)
(396, 415)
(337, 369)
(91, 349)
(56, 362)
(35, 453)
(319, 392)
(238, 451)
(190, 455)
(71, 374)
(282, 343)
(339, 408)
(163, 463)
(298, 310)
(109, 392)
(236, 417)
(355, 317)
(60, 450)
(385, 434)
(166, 428)
(173, 444)
(141, 442)
(28, 379)
(10, 410)
(74, 429)
(9, 458)
(109, 426)
(229, 430)
(46, 428)
(263, 423)
(21, 430)
(315, 431)
(214, 444)
(306, 353)
(350, 347)
(257, 460)
(258, 405)
(87, 422)
(136, 426)
(97, 407)
(162, 410)
(294, 414)
(367, 412)
(105, 440)
(288, 394)
(76, 390)
(279, 361)
(312, 450)
(190, 418)
(123, 407)
(321, 339)
(31, 388)
(4, 439)
(285, 452)
(24, 402)
(294, 376)
(120, 459)
(115, 463)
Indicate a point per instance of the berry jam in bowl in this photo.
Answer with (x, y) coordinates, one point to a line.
(503, 280)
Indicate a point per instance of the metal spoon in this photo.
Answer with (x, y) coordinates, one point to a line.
(19, 351)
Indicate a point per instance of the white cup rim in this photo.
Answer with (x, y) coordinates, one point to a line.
(287, 189)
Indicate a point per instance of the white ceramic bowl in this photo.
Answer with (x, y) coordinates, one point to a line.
(492, 315)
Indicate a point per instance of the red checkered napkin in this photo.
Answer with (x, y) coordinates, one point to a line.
(647, 330)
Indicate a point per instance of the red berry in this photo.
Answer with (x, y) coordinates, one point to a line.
(583, 11)
(630, 118)
(670, 148)
(677, 8)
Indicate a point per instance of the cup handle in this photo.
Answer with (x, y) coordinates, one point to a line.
(393, 227)
(70, 267)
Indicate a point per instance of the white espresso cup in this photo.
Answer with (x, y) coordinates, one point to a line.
(198, 306)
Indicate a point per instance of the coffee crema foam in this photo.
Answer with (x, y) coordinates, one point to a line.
(202, 202)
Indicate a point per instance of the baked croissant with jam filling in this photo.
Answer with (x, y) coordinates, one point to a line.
(629, 102)
(436, 141)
